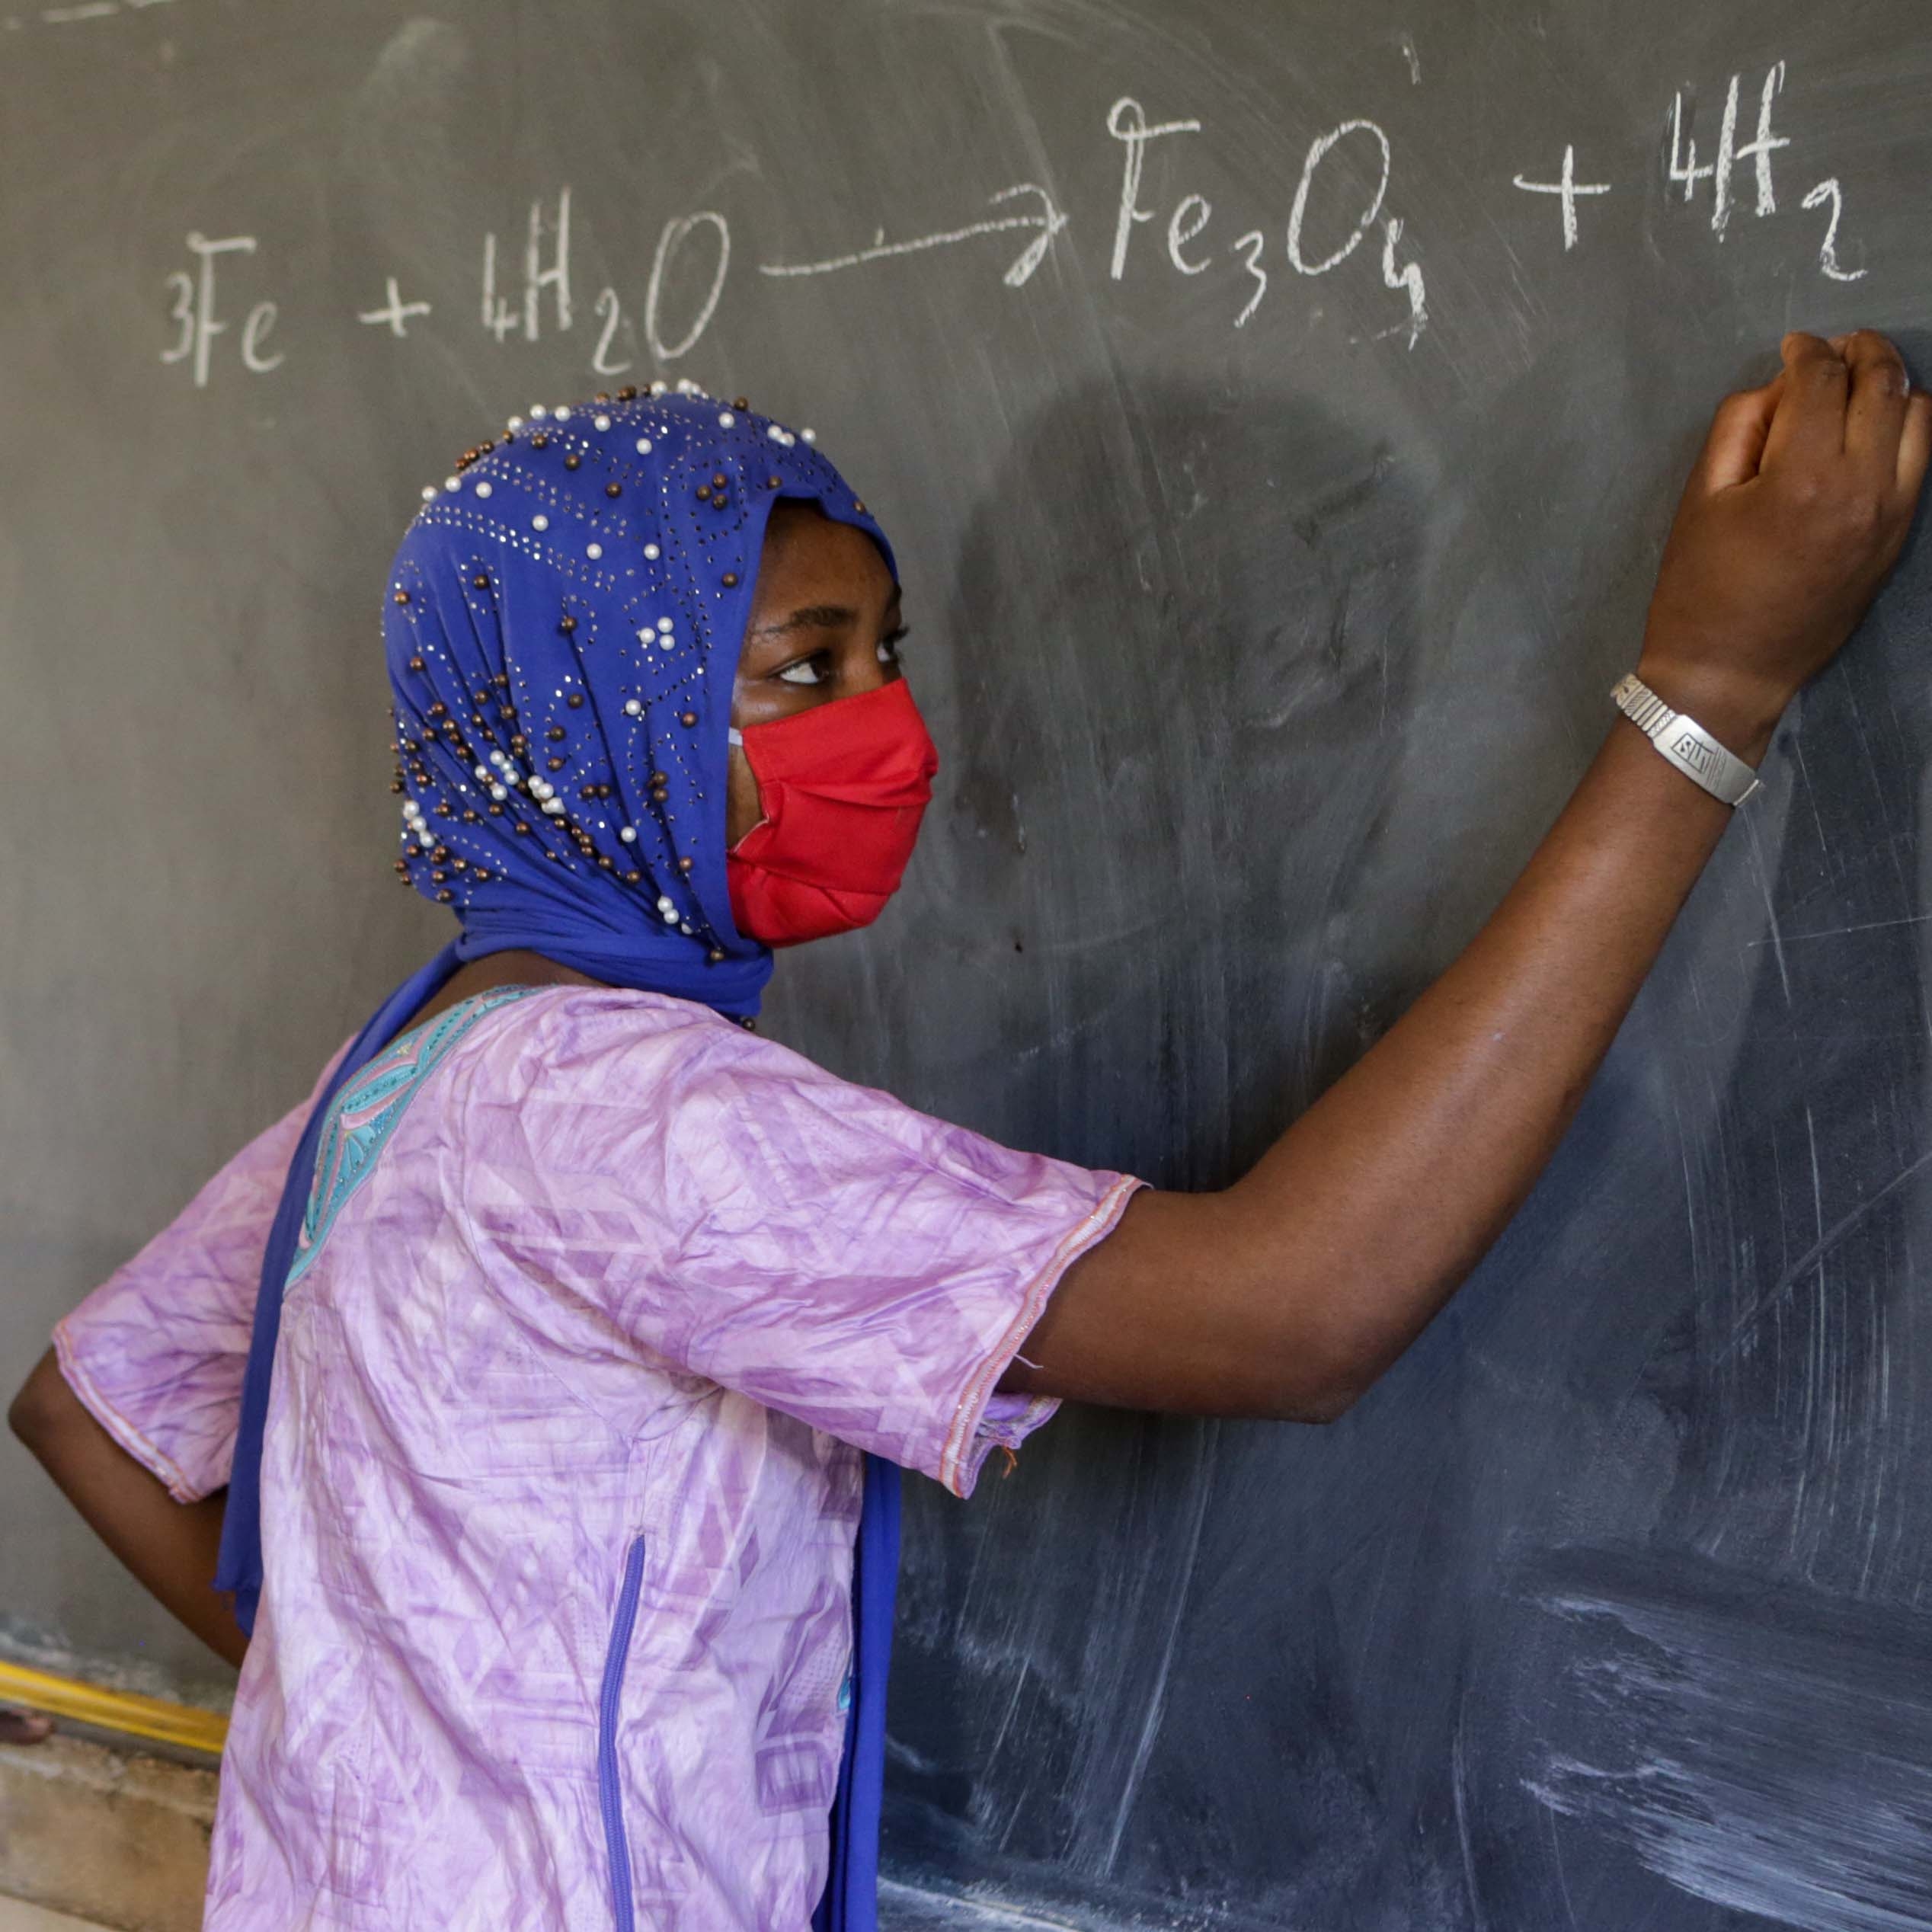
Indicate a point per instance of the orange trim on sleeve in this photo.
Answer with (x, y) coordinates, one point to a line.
(978, 1391)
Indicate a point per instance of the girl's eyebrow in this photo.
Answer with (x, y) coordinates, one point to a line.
(812, 617)
(821, 617)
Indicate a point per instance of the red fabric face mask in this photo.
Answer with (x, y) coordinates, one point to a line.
(842, 787)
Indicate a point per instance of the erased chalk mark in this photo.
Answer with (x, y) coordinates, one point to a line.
(1763, 1745)
(89, 10)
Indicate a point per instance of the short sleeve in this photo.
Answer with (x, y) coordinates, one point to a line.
(736, 1213)
(156, 1353)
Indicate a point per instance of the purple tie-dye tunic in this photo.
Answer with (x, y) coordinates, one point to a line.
(598, 1299)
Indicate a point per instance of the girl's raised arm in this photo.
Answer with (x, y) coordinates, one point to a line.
(1289, 1292)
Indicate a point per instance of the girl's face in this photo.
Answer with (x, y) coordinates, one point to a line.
(825, 625)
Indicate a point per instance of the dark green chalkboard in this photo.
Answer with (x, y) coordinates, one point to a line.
(1278, 453)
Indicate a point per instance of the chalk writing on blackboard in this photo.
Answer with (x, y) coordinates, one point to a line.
(1683, 167)
(1686, 175)
(1128, 123)
(499, 317)
(194, 312)
(1569, 187)
(1826, 195)
(1249, 248)
(670, 243)
(1047, 222)
(1341, 211)
(86, 10)
(395, 312)
(610, 312)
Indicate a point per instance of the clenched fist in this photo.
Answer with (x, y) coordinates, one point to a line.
(1793, 517)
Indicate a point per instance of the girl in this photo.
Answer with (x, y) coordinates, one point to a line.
(596, 1322)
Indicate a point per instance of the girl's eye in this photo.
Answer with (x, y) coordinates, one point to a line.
(807, 670)
(889, 646)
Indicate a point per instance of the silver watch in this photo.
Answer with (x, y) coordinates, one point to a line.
(1685, 743)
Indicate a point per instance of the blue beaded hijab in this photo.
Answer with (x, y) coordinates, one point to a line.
(563, 626)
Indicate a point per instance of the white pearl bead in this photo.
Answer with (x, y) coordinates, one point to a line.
(651, 551)
(664, 904)
(810, 435)
(517, 422)
(452, 482)
(542, 787)
(628, 833)
(429, 493)
(726, 420)
(667, 642)
(499, 792)
(602, 422)
(665, 624)
(555, 806)
(483, 774)
(538, 411)
(482, 489)
(594, 551)
(686, 930)
(775, 433)
(685, 385)
(671, 916)
(562, 412)
(643, 445)
(632, 709)
(540, 522)
(658, 388)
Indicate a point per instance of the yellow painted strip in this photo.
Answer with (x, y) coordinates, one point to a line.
(114, 1710)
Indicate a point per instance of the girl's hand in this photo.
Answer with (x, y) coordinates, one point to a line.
(1793, 517)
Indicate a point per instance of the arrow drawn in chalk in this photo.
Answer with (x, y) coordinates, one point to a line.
(1048, 220)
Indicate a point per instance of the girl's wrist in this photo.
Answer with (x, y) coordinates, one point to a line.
(1740, 711)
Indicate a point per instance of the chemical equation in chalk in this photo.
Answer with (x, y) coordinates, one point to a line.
(1045, 220)
(1685, 177)
(194, 307)
(1335, 215)
(1247, 257)
(1128, 123)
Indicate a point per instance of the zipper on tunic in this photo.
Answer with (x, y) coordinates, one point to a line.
(609, 1790)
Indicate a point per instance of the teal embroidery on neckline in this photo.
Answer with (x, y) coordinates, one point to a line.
(366, 1113)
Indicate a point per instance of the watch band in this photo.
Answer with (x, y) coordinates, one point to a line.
(1685, 743)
